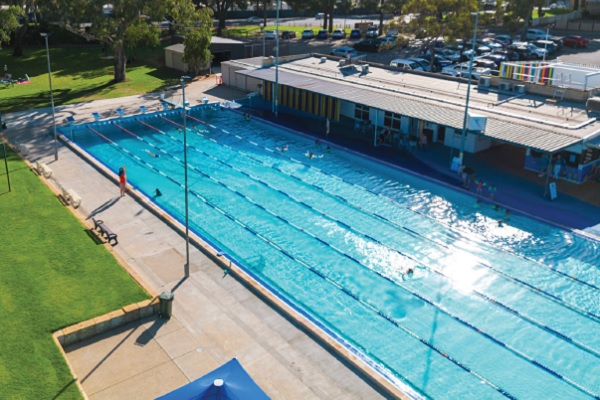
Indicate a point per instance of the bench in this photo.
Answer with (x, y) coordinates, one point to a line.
(71, 197)
(42, 169)
(105, 232)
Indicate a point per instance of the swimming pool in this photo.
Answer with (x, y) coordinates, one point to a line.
(490, 311)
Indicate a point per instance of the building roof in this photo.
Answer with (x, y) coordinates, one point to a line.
(522, 119)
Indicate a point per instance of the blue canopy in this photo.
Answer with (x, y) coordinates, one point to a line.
(228, 382)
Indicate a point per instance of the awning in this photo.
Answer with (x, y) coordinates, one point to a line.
(228, 382)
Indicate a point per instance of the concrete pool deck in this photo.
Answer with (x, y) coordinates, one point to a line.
(215, 317)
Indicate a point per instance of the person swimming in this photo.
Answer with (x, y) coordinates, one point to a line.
(151, 154)
(158, 193)
(283, 148)
(311, 155)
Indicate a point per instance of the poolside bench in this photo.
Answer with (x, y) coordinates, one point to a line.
(71, 197)
(42, 169)
(105, 232)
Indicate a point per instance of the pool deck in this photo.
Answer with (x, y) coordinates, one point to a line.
(215, 316)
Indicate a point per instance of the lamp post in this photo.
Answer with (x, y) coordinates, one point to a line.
(45, 36)
(276, 97)
(262, 30)
(464, 129)
(185, 174)
(546, 43)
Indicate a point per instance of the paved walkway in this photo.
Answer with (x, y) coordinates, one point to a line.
(215, 317)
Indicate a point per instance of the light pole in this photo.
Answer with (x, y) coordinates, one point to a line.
(546, 43)
(185, 174)
(464, 129)
(262, 30)
(276, 97)
(45, 36)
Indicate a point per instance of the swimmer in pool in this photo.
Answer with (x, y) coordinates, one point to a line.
(151, 154)
(158, 193)
(282, 149)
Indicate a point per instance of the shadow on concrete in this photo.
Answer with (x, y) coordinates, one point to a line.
(103, 207)
(145, 337)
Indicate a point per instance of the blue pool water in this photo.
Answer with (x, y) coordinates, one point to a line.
(492, 310)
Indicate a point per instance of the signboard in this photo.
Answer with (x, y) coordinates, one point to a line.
(552, 190)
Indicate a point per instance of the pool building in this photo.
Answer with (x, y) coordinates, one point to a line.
(546, 111)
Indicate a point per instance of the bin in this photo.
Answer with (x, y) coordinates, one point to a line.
(166, 304)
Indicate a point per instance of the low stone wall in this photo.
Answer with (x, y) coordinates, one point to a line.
(83, 330)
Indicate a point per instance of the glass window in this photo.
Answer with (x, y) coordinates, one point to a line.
(361, 112)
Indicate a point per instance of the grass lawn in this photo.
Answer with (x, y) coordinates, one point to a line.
(79, 74)
(52, 275)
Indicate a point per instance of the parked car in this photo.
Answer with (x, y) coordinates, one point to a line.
(485, 63)
(425, 64)
(492, 43)
(343, 51)
(405, 64)
(254, 20)
(338, 34)
(558, 41)
(355, 34)
(439, 62)
(288, 34)
(535, 34)
(372, 32)
(370, 45)
(322, 34)
(495, 58)
(575, 41)
(462, 70)
(504, 39)
(319, 15)
(509, 54)
(524, 53)
(270, 35)
(308, 34)
(545, 44)
(539, 52)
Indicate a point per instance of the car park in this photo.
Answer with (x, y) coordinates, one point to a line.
(575, 41)
(338, 34)
(322, 34)
(504, 39)
(492, 43)
(425, 64)
(405, 64)
(308, 34)
(485, 63)
(495, 58)
(539, 52)
(370, 45)
(509, 54)
(535, 34)
(288, 34)
(355, 33)
(524, 53)
(270, 35)
(343, 51)
(439, 62)
(462, 70)
(254, 20)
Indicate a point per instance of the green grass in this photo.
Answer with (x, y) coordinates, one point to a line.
(52, 275)
(551, 13)
(79, 74)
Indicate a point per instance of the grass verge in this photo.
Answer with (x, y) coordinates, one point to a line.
(52, 275)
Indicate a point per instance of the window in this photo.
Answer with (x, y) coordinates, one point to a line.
(361, 112)
(392, 120)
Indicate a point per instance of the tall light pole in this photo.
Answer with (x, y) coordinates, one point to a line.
(262, 30)
(464, 129)
(185, 174)
(45, 36)
(276, 97)
(546, 43)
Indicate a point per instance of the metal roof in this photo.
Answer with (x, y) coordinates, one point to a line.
(501, 128)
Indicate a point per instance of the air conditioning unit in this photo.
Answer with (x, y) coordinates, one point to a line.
(484, 81)
(519, 89)
(323, 59)
(341, 62)
(593, 104)
(365, 68)
(504, 86)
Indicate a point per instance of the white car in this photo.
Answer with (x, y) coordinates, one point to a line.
(343, 51)
(462, 70)
(254, 20)
(270, 35)
(308, 34)
(536, 34)
(338, 34)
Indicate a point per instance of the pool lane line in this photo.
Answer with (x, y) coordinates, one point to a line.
(483, 263)
(470, 234)
(326, 278)
(513, 350)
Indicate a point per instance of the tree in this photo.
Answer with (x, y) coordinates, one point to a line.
(126, 24)
(197, 40)
(220, 9)
(520, 14)
(437, 19)
(9, 22)
(20, 9)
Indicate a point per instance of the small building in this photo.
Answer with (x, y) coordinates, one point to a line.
(385, 107)
(222, 49)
